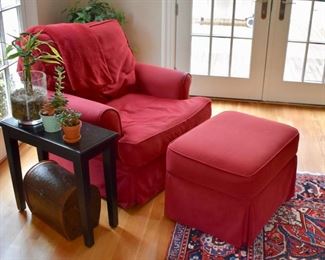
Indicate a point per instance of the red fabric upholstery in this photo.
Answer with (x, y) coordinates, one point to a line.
(234, 168)
(76, 37)
(118, 56)
(160, 82)
(150, 124)
(82, 46)
(148, 106)
(135, 185)
(95, 113)
(245, 146)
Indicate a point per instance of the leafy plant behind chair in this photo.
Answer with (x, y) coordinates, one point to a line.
(95, 10)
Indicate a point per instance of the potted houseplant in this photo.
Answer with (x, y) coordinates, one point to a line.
(55, 105)
(71, 125)
(28, 88)
(95, 10)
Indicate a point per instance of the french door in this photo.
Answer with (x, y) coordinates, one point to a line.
(253, 49)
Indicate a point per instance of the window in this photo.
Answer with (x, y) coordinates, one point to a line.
(10, 24)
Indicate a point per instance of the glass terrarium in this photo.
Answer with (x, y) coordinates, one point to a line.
(26, 104)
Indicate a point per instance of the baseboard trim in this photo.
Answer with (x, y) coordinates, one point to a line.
(264, 102)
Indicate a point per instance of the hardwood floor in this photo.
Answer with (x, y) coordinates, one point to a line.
(143, 232)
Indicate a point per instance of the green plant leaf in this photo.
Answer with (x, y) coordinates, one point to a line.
(56, 55)
(9, 48)
(49, 61)
(12, 56)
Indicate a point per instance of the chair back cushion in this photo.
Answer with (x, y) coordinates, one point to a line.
(97, 58)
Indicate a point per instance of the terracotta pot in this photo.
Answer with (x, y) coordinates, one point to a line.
(71, 134)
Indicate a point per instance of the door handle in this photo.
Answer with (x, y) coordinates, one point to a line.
(264, 9)
(283, 4)
(282, 9)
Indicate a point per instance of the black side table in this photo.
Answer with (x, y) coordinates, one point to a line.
(94, 140)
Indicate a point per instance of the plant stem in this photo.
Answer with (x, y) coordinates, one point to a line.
(28, 78)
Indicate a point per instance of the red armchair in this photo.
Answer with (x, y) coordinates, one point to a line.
(147, 105)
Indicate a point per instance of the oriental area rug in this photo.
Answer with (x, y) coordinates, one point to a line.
(295, 231)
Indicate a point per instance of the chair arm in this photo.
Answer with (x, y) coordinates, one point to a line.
(95, 113)
(162, 82)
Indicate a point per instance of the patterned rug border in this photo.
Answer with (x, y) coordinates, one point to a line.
(168, 253)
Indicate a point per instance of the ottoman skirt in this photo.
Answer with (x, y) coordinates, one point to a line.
(236, 221)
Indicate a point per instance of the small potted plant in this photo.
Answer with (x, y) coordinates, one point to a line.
(71, 125)
(55, 105)
(28, 91)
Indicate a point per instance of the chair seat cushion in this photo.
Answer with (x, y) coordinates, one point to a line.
(233, 153)
(150, 123)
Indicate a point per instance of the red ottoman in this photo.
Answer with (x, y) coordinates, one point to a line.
(228, 175)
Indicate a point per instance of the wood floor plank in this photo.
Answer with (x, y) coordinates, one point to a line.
(143, 232)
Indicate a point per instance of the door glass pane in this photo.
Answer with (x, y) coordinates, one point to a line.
(222, 17)
(11, 24)
(200, 55)
(315, 63)
(305, 50)
(318, 25)
(3, 97)
(220, 57)
(299, 20)
(241, 57)
(201, 13)
(226, 37)
(244, 18)
(294, 62)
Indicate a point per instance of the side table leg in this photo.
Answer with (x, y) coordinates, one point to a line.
(15, 170)
(42, 155)
(81, 169)
(109, 162)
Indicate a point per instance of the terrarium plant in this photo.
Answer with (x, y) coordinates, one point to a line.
(71, 124)
(95, 10)
(56, 104)
(58, 101)
(29, 89)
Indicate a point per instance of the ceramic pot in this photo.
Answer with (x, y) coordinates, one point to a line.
(50, 123)
(71, 134)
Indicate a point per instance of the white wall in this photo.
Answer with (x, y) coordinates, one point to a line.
(50, 11)
(143, 27)
(45, 11)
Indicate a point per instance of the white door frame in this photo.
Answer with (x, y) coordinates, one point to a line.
(168, 33)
